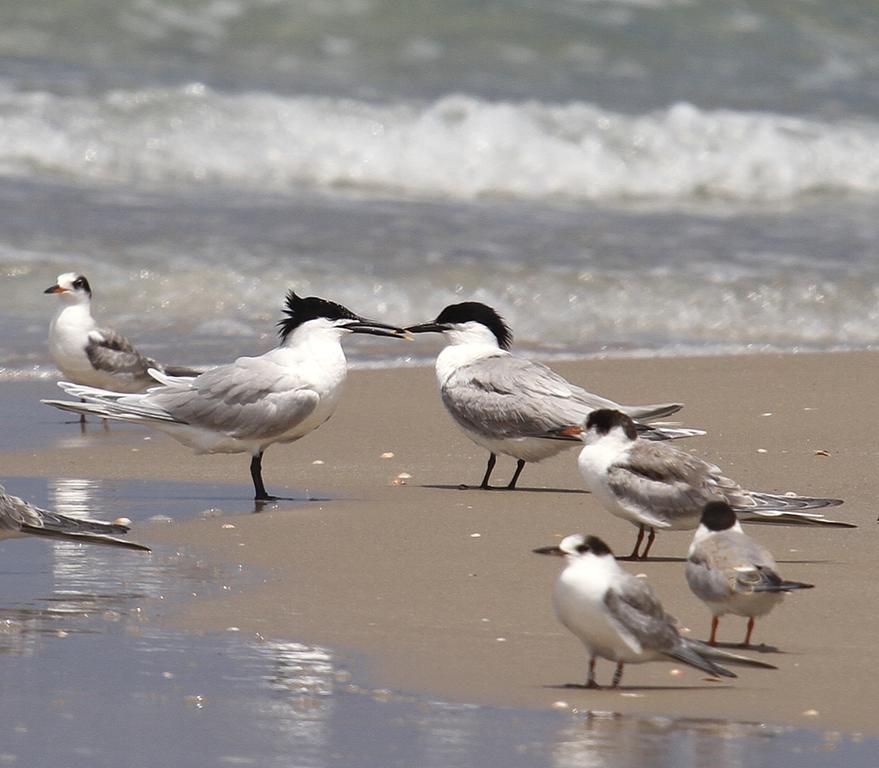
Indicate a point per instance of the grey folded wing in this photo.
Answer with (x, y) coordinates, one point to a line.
(664, 486)
(15, 513)
(506, 396)
(111, 352)
(640, 617)
(18, 515)
(730, 563)
(250, 399)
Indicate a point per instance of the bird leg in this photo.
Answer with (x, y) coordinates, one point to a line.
(650, 540)
(617, 675)
(634, 555)
(520, 465)
(590, 680)
(256, 475)
(488, 470)
(747, 642)
(715, 621)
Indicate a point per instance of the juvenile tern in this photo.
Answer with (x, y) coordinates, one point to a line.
(730, 572)
(658, 487)
(503, 402)
(91, 355)
(19, 518)
(254, 402)
(618, 617)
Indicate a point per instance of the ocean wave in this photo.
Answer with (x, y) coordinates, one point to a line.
(457, 147)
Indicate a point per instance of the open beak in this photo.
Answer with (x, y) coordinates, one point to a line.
(54, 289)
(568, 434)
(427, 328)
(375, 328)
(556, 551)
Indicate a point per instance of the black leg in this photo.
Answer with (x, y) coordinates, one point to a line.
(617, 675)
(650, 539)
(256, 475)
(520, 465)
(488, 470)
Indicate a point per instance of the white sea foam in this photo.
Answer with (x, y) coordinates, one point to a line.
(457, 147)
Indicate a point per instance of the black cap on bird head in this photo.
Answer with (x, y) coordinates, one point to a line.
(300, 310)
(475, 311)
(718, 516)
(605, 419)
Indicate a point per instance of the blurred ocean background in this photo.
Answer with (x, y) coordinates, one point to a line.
(615, 176)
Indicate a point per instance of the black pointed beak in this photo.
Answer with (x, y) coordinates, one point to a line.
(428, 328)
(556, 551)
(54, 289)
(375, 328)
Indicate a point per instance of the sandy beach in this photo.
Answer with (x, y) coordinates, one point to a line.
(437, 588)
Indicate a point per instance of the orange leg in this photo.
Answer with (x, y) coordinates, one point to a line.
(748, 633)
(590, 681)
(713, 639)
(634, 555)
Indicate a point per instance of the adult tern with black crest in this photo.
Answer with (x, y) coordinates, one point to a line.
(253, 402)
(503, 402)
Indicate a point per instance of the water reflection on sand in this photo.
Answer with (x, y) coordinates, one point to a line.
(81, 659)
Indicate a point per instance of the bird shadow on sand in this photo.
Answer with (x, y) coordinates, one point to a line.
(634, 688)
(761, 648)
(442, 487)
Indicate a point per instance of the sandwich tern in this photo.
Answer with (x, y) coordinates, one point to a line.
(503, 402)
(19, 518)
(730, 572)
(656, 486)
(618, 617)
(254, 402)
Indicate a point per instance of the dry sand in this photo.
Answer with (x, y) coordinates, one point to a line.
(437, 588)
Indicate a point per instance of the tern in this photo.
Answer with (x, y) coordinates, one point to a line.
(94, 356)
(658, 487)
(19, 518)
(253, 402)
(730, 572)
(618, 617)
(503, 403)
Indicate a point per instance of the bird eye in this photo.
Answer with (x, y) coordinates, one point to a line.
(78, 283)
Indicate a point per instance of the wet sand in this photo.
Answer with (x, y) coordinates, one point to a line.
(437, 588)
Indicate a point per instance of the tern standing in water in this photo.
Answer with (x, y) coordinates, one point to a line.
(254, 402)
(94, 356)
